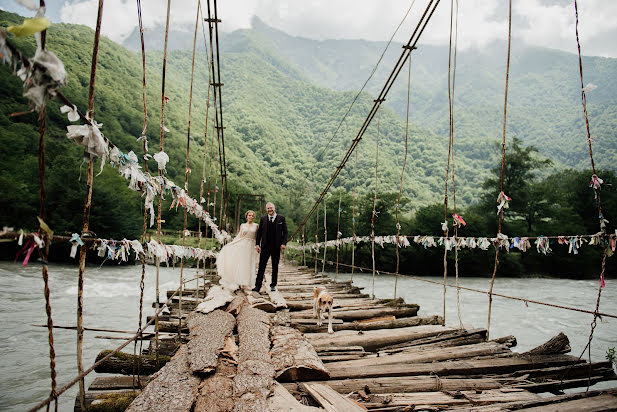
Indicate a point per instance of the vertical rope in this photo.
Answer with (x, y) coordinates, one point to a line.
(338, 232)
(187, 170)
(597, 198)
(203, 164)
(316, 235)
(44, 253)
(375, 205)
(303, 249)
(158, 220)
(86, 218)
(503, 166)
(137, 367)
(400, 190)
(325, 238)
(456, 223)
(353, 215)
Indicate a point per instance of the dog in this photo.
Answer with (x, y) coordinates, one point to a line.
(322, 302)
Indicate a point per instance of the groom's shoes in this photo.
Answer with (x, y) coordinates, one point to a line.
(272, 288)
(255, 289)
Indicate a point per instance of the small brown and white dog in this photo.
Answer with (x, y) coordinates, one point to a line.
(322, 302)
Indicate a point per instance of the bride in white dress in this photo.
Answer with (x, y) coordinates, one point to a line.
(236, 261)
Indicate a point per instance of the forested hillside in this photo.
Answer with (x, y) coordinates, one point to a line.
(280, 111)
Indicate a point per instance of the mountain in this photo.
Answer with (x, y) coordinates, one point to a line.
(283, 98)
(544, 98)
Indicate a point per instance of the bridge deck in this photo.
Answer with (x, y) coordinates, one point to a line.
(266, 353)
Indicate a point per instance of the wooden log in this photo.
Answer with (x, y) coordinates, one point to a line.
(431, 355)
(236, 304)
(556, 345)
(217, 297)
(173, 388)
(112, 400)
(330, 399)
(351, 315)
(277, 299)
(207, 338)
(254, 379)
(448, 400)
(281, 318)
(293, 357)
(283, 401)
(509, 340)
(362, 325)
(466, 367)
(261, 303)
(410, 384)
(339, 304)
(374, 339)
(104, 383)
(127, 363)
(447, 338)
(216, 391)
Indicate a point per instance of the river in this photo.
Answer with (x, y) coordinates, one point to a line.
(111, 301)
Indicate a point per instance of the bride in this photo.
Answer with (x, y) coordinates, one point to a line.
(236, 261)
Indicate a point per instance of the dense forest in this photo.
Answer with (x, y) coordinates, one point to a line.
(284, 98)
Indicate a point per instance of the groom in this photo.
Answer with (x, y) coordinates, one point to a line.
(271, 239)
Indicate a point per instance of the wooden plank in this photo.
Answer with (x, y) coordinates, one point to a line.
(374, 339)
(466, 367)
(293, 357)
(431, 355)
(283, 401)
(554, 403)
(207, 338)
(351, 315)
(330, 399)
(305, 327)
(426, 400)
(401, 384)
(173, 388)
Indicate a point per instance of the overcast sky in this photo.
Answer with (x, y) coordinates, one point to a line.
(548, 23)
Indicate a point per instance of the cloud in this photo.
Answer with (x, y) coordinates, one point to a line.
(546, 23)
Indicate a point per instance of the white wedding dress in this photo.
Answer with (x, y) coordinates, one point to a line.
(236, 261)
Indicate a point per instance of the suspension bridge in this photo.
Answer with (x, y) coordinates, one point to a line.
(216, 349)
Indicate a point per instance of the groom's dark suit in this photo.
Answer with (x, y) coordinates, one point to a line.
(270, 236)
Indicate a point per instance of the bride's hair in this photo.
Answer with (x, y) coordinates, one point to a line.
(247, 212)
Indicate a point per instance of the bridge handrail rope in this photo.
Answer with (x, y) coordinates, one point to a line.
(127, 163)
(411, 45)
(522, 244)
(485, 292)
